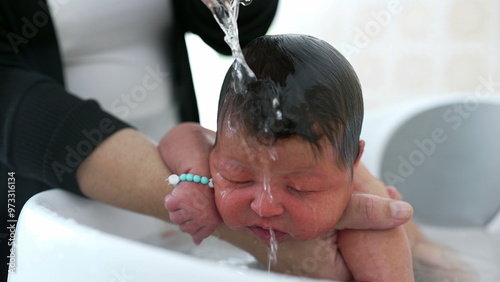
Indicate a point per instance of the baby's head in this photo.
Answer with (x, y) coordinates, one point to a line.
(286, 148)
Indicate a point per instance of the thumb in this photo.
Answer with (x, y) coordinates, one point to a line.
(366, 211)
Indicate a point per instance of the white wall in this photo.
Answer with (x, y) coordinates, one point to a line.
(399, 48)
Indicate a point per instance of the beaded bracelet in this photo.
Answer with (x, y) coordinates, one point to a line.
(174, 179)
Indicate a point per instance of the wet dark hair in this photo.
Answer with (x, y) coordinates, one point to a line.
(304, 87)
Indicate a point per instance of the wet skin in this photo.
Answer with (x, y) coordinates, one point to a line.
(308, 190)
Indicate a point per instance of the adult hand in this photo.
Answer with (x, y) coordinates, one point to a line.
(373, 205)
(366, 211)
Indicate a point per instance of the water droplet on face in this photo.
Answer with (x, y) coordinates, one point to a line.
(267, 189)
(222, 194)
(273, 154)
(265, 194)
(229, 125)
(315, 228)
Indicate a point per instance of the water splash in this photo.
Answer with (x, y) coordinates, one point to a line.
(276, 104)
(273, 155)
(246, 2)
(226, 15)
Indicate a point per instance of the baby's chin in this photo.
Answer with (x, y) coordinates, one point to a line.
(265, 235)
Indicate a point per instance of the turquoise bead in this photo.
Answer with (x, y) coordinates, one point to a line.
(204, 180)
(196, 178)
(193, 178)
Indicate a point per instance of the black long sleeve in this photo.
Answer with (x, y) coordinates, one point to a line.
(193, 16)
(40, 122)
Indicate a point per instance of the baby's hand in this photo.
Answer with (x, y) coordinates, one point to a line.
(192, 206)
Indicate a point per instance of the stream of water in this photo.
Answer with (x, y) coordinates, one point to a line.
(226, 15)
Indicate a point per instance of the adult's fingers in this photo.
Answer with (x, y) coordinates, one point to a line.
(366, 211)
(394, 193)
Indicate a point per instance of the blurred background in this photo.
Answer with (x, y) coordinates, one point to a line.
(400, 49)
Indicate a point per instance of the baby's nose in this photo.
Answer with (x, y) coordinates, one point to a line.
(265, 204)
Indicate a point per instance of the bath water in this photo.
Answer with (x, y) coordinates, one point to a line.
(226, 15)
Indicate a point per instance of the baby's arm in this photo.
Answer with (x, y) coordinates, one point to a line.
(191, 205)
(378, 255)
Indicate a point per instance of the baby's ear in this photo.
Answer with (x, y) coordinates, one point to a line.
(361, 150)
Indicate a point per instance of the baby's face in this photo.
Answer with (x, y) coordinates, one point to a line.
(309, 191)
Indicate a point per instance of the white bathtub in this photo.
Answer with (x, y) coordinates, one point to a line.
(63, 237)
(443, 155)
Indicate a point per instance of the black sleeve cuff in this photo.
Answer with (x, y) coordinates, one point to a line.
(55, 131)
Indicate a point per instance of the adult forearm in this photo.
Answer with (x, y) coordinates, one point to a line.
(372, 255)
(126, 171)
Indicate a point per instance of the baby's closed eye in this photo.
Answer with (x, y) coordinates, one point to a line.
(297, 191)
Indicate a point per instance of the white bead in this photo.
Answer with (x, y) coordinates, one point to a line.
(173, 179)
(211, 183)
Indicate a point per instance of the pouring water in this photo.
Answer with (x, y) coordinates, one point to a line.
(226, 15)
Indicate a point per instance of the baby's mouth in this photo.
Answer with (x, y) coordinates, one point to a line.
(264, 234)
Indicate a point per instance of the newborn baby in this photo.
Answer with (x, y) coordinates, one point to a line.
(284, 157)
